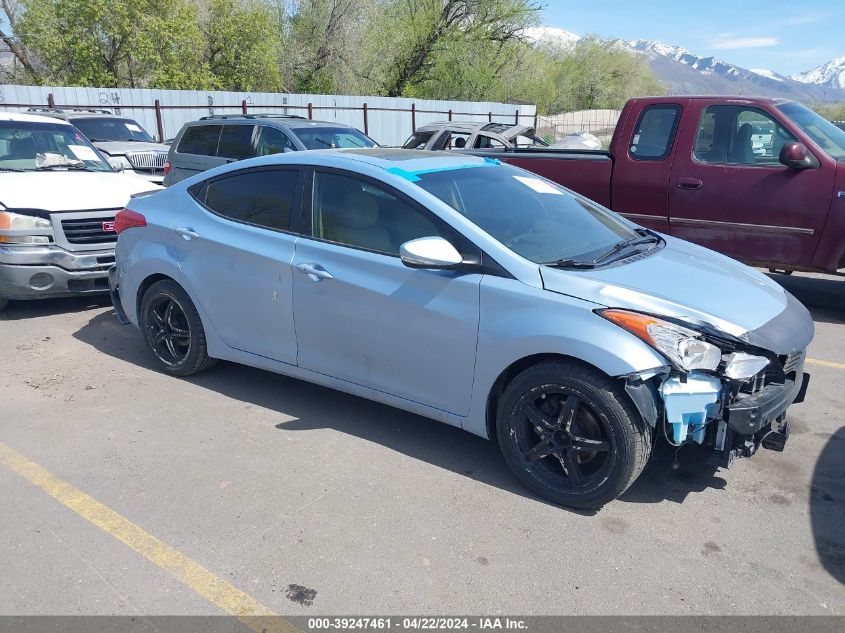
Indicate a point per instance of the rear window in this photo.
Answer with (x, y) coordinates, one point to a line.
(655, 132)
(200, 139)
(236, 142)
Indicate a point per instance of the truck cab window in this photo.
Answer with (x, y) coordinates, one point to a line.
(737, 135)
(655, 132)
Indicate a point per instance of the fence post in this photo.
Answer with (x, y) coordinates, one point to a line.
(243, 106)
(366, 121)
(490, 117)
(413, 118)
(310, 110)
(51, 102)
(450, 114)
(516, 118)
(159, 122)
(535, 122)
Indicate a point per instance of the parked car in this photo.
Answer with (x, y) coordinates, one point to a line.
(469, 134)
(839, 124)
(473, 293)
(121, 139)
(220, 139)
(58, 198)
(688, 167)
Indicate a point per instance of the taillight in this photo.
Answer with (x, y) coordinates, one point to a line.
(128, 219)
(166, 167)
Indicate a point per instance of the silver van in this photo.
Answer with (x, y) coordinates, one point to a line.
(216, 140)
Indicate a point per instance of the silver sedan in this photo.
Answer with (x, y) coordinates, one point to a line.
(471, 292)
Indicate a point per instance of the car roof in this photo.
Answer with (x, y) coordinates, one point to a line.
(29, 118)
(392, 159)
(507, 130)
(74, 113)
(291, 121)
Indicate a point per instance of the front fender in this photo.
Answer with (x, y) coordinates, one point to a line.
(520, 321)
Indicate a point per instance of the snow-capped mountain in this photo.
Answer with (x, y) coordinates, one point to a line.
(830, 75)
(551, 35)
(684, 72)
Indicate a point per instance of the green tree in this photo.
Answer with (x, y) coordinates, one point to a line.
(242, 40)
(133, 43)
(597, 73)
(417, 43)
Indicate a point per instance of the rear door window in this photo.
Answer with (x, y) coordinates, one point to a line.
(655, 132)
(200, 139)
(236, 142)
(263, 197)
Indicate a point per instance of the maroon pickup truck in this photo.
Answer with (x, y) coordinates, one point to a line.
(760, 180)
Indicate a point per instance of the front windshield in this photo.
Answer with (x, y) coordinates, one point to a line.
(30, 146)
(824, 133)
(112, 129)
(533, 217)
(325, 137)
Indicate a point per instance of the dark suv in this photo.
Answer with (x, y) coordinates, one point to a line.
(220, 139)
(123, 141)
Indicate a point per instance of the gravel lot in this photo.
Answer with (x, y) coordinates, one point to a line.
(296, 494)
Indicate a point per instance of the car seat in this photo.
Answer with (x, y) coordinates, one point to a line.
(357, 223)
(742, 152)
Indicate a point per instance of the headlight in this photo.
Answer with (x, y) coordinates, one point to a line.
(682, 346)
(740, 365)
(19, 222)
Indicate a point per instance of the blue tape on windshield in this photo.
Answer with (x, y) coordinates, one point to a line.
(414, 176)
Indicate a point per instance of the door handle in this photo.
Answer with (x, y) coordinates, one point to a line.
(315, 272)
(187, 234)
(689, 184)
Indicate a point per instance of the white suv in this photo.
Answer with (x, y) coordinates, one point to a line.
(58, 199)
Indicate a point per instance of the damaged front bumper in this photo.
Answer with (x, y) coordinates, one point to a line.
(735, 418)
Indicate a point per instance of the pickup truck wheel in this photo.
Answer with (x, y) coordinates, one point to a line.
(571, 434)
(173, 329)
(4, 303)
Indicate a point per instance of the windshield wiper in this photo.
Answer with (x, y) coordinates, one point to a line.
(569, 263)
(644, 238)
(323, 141)
(67, 166)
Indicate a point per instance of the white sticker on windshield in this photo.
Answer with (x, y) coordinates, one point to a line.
(83, 152)
(132, 127)
(540, 186)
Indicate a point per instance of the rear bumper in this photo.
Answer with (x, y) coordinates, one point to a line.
(49, 271)
(114, 293)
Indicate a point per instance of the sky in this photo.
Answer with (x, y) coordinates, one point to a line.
(781, 35)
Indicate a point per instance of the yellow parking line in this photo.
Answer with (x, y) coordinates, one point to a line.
(825, 363)
(204, 582)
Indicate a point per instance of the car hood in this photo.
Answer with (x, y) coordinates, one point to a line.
(69, 190)
(121, 148)
(692, 283)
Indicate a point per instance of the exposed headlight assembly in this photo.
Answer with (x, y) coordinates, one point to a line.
(684, 347)
(19, 222)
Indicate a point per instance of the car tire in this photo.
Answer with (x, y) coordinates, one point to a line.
(562, 416)
(173, 329)
(4, 303)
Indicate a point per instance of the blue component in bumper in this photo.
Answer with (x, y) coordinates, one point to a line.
(688, 404)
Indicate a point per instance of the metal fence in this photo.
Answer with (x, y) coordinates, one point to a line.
(163, 112)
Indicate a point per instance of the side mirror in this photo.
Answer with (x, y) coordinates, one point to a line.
(429, 252)
(116, 164)
(796, 156)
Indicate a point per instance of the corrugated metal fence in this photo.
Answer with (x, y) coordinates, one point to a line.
(163, 112)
